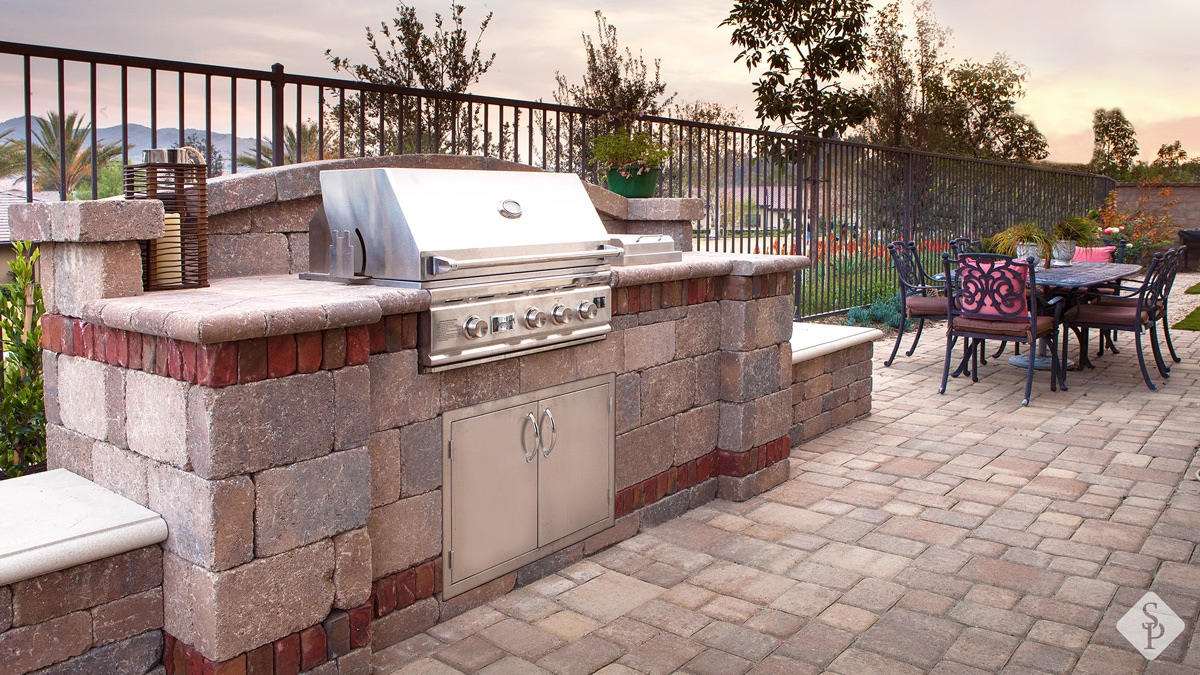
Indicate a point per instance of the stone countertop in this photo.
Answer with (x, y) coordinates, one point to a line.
(255, 307)
(700, 264)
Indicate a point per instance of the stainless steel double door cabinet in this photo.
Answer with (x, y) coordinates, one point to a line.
(523, 477)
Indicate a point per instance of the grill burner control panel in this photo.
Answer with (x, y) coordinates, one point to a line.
(500, 326)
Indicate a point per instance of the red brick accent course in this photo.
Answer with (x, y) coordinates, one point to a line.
(227, 363)
(402, 589)
(715, 463)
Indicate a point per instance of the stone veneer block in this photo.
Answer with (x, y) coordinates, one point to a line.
(86, 523)
(138, 654)
(256, 426)
(75, 274)
(401, 395)
(668, 389)
(156, 417)
(352, 569)
(420, 457)
(32, 647)
(125, 617)
(403, 624)
(651, 345)
(644, 452)
(89, 398)
(222, 614)
(384, 447)
(696, 433)
(746, 425)
(245, 255)
(393, 548)
(352, 396)
(746, 376)
(70, 450)
(84, 586)
(210, 523)
(304, 502)
(87, 221)
(121, 471)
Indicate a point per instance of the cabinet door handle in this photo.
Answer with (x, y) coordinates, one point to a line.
(537, 439)
(553, 433)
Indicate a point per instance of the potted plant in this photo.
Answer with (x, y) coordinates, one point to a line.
(1070, 232)
(1024, 240)
(632, 159)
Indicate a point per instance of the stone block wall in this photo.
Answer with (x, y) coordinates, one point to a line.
(1185, 213)
(100, 617)
(288, 438)
(829, 391)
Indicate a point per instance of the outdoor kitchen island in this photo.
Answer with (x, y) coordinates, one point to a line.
(288, 436)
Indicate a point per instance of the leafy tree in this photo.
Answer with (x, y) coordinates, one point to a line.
(1171, 155)
(77, 142)
(902, 77)
(406, 56)
(805, 46)
(12, 156)
(22, 410)
(976, 112)
(214, 157)
(710, 112)
(109, 184)
(1116, 144)
(614, 79)
(305, 145)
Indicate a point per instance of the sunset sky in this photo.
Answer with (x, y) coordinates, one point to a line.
(1081, 54)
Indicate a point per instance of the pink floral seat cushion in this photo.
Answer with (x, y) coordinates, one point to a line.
(1097, 254)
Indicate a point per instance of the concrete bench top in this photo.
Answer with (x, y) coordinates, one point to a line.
(57, 519)
(810, 340)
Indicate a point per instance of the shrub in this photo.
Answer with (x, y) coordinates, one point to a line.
(883, 310)
(22, 409)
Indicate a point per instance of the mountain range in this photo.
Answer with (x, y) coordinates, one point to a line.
(139, 138)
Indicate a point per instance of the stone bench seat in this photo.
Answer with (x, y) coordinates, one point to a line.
(812, 340)
(61, 520)
(831, 377)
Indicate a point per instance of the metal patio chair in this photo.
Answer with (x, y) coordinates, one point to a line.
(996, 298)
(919, 299)
(1136, 309)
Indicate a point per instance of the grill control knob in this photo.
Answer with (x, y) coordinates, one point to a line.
(535, 318)
(475, 327)
(587, 310)
(562, 313)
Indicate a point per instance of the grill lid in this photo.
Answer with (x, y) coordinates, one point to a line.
(425, 225)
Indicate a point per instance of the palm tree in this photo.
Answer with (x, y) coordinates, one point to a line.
(12, 156)
(308, 143)
(76, 143)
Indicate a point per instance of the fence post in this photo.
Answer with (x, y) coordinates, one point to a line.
(908, 197)
(277, 130)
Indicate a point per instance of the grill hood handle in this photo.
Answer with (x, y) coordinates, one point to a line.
(443, 265)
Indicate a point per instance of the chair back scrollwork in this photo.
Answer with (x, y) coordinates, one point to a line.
(993, 286)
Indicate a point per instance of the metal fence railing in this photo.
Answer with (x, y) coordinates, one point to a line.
(837, 202)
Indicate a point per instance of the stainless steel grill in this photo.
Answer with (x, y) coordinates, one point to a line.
(515, 262)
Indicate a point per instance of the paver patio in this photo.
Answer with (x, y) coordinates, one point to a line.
(947, 534)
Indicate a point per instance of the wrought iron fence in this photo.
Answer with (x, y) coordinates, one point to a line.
(837, 202)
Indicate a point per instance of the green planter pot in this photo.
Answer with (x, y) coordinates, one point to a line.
(637, 185)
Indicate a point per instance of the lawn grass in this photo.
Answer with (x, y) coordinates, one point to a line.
(1193, 290)
(1190, 322)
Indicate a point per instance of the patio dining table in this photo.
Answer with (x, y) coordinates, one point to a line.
(1075, 275)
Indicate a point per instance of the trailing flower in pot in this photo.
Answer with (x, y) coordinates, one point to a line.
(1024, 240)
(632, 159)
